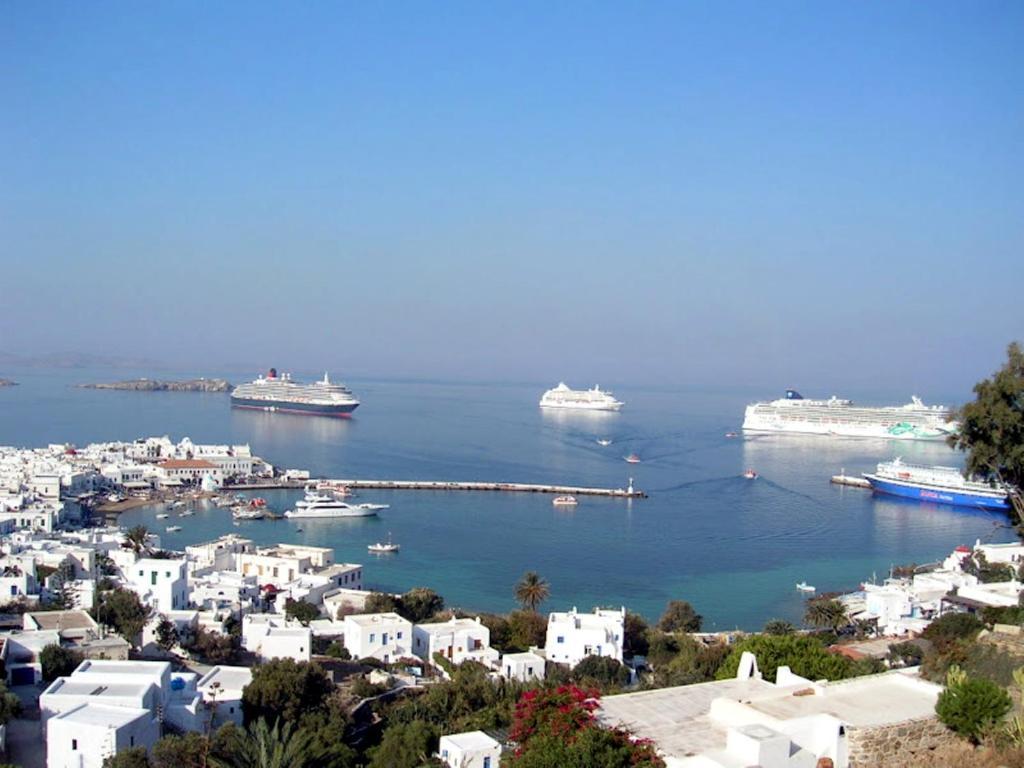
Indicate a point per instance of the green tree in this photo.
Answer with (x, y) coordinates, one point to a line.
(57, 661)
(601, 671)
(634, 636)
(10, 705)
(778, 627)
(122, 609)
(405, 745)
(190, 750)
(992, 427)
(380, 602)
(137, 539)
(531, 591)
(971, 706)
(805, 656)
(419, 604)
(133, 757)
(211, 647)
(527, 629)
(826, 613)
(301, 611)
(166, 633)
(679, 616)
(286, 689)
(500, 629)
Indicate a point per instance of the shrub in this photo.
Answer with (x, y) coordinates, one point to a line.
(679, 616)
(971, 706)
(57, 661)
(952, 626)
(603, 671)
(905, 654)
(778, 627)
(805, 656)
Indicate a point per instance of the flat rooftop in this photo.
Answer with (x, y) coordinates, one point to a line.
(98, 714)
(676, 719)
(229, 678)
(69, 686)
(886, 699)
(62, 620)
(372, 619)
(471, 740)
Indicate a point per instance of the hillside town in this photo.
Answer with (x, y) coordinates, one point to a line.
(150, 642)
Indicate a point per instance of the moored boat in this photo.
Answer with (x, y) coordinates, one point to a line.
(803, 586)
(384, 547)
(750, 474)
(632, 459)
(565, 501)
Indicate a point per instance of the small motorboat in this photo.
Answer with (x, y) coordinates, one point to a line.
(173, 528)
(565, 501)
(632, 459)
(162, 516)
(731, 434)
(372, 507)
(384, 548)
(604, 441)
(250, 513)
(187, 513)
(178, 504)
(750, 474)
(803, 586)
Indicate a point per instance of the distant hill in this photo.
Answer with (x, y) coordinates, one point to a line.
(155, 385)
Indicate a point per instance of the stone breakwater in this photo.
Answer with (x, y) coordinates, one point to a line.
(155, 385)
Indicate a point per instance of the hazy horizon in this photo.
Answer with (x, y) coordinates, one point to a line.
(824, 196)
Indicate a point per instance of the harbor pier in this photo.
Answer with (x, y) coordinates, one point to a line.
(442, 485)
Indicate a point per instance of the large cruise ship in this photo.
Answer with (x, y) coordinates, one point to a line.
(943, 485)
(914, 421)
(579, 399)
(280, 393)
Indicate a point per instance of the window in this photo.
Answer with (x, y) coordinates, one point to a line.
(152, 577)
(398, 635)
(132, 741)
(373, 637)
(444, 753)
(74, 744)
(487, 761)
(560, 639)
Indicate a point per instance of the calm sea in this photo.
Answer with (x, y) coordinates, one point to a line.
(735, 548)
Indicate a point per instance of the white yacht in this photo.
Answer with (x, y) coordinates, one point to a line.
(318, 505)
(594, 399)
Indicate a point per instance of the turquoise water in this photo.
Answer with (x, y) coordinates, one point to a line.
(733, 547)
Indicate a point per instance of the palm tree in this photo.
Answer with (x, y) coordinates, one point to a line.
(826, 613)
(137, 538)
(264, 746)
(532, 590)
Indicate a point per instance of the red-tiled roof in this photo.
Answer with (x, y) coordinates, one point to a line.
(186, 464)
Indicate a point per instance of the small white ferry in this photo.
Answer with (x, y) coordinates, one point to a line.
(565, 501)
(803, 586)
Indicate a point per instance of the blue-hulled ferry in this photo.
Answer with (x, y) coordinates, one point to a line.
(940, 485)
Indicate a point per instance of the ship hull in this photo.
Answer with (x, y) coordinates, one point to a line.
(937, 495)
(580, 407)
(761, 424)
(341, 410)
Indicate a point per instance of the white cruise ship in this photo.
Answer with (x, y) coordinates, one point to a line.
(914, 421)
(280, 393)
(594, 399)
(317, 505)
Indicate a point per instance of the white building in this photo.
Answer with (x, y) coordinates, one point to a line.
(573, 636)
(218, 555)
(284, 563)
(384, 636)
(85, 736)
(473, 749)
(20, 655)
(221, 689)
(160, 583)
(523, 667)
(457, 640)
(274, 637)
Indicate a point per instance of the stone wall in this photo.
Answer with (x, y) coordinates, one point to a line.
(896, 746)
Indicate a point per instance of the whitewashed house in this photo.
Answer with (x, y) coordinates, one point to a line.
(275, 637)
(85, 736)
(473, 749)
(384, 636)
(457, 640)
(221, 689)
(573, 636)
(523, 667)
(162, 584)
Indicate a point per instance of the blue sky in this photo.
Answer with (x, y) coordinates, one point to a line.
(805, 194)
